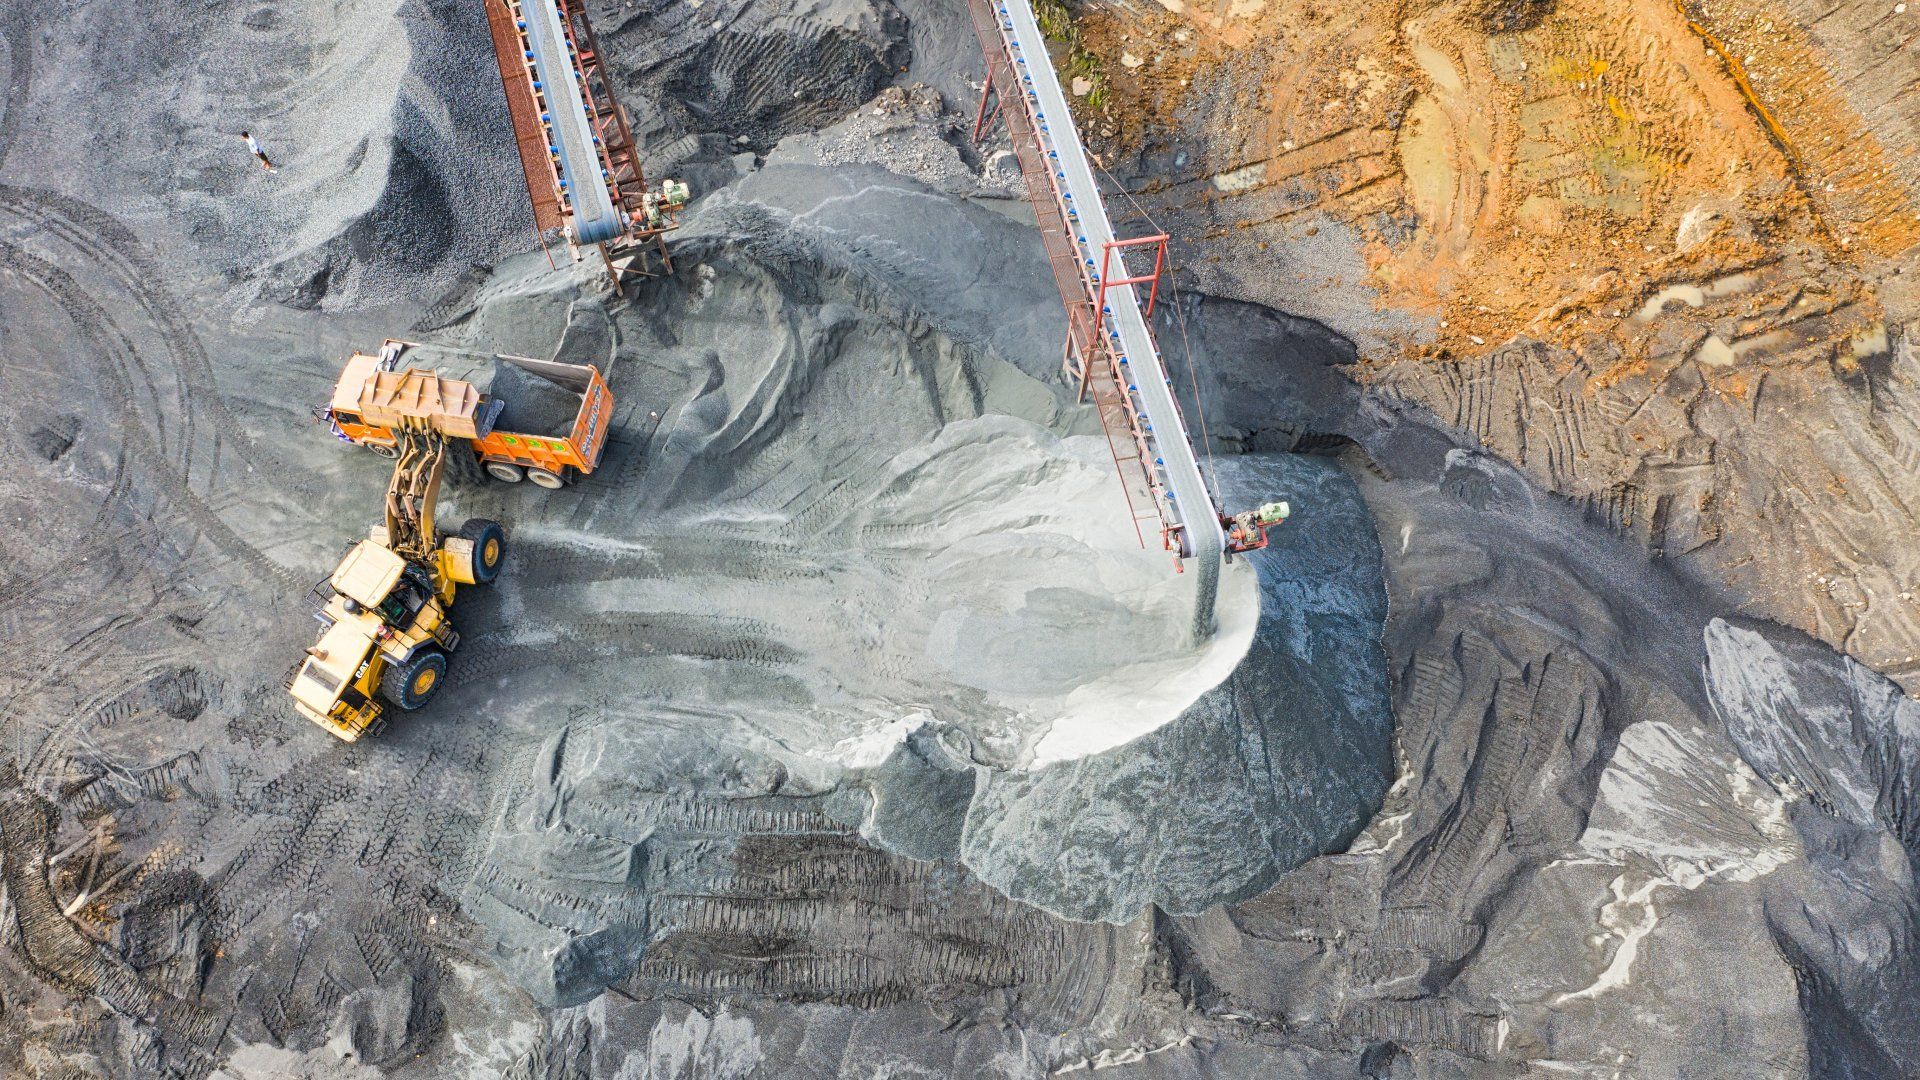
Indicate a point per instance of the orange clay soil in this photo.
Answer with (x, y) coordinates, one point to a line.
(1539, 171)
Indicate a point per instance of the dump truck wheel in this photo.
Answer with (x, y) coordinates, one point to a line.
(412, 682)
(489, 548)
(505, 471)
(548, 480)
(384, 450)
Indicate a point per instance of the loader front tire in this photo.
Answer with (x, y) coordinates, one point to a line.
(413, 682)
(489, 548)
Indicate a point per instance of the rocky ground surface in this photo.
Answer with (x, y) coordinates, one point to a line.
(802, 739)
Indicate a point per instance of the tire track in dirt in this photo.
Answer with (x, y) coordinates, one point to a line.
(39, 766)
(97, 327)
(32, 653)
(37, 209)
(24, 266)
(142, 464)
(19, 38)
(111, 246)
(632, 637)
(101, 647)
(45, 656)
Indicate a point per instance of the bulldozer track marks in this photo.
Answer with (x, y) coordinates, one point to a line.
(113, 792)
(1522, 697)
(66, 957)
(771, 898)
(1425, 1022)
(1649, 456)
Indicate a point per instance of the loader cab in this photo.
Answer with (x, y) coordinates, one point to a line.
(407, 597)
(380, 581)
(374, 623)
(368, 575)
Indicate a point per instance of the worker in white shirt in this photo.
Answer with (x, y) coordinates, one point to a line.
(253, 147)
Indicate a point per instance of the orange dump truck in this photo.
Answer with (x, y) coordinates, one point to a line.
(525, 419)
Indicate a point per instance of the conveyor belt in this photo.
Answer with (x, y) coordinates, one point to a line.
(1190, 505)
(556, 78)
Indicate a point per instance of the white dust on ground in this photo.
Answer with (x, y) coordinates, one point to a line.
(1675, 809)
(1127, 702)
(990, 580)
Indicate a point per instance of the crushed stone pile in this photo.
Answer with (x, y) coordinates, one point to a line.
(369, 110)
(535, 405)
(967, 637)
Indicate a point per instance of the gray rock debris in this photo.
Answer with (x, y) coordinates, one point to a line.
(627, 834)
(1840, 745)
(1625, 839)
(371, 109)
(912, 132)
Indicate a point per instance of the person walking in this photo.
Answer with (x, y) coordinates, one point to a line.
(253, 147)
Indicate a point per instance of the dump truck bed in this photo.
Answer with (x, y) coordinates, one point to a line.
(538, 397)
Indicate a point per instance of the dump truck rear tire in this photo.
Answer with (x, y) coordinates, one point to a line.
(489, 548)
(505, 471)
(413, 682)
(550, 481)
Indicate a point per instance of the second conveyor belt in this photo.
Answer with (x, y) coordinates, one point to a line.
(1125, 323)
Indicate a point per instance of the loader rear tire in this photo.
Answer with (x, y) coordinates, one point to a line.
(413, 682)
(489, 548)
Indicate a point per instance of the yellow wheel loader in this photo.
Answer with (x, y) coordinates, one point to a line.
(384, 608)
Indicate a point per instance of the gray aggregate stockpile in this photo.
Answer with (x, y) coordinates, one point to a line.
(534, 405)
(924, 616)
(370, 110)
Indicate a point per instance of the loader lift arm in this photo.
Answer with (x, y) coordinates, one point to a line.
(412, 491)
